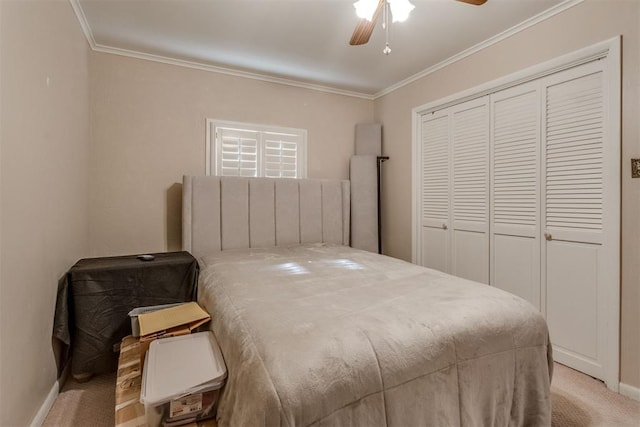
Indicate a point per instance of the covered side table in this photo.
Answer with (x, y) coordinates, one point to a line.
(95, 297)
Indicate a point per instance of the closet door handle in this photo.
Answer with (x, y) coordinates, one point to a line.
(548, 236)
(444, 226)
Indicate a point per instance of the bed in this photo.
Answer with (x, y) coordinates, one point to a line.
(315, 333)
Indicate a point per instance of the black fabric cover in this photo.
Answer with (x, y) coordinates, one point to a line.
(94, 300)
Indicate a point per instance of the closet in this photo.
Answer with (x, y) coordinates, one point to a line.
(518, 188)
(455, 185)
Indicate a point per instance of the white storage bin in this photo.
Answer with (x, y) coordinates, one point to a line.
(181, 379)
(133, 315)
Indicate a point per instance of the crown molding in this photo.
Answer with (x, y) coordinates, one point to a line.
(86, 29)
(559, 8)
(77, 8)
(228, 71)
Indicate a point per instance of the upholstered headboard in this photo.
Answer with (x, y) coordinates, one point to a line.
(221, 213)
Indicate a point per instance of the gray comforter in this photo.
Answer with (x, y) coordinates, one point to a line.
(329, 336)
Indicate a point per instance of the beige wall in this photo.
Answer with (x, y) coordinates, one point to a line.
(44, 193)
(583, 25)
(148, 129)
(147, 125)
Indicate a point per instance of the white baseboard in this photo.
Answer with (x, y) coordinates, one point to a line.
(630, 391)
(38, 420)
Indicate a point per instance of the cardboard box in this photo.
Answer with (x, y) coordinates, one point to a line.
(129, 411)
(169, 322)
(184, 316)
(133, 315)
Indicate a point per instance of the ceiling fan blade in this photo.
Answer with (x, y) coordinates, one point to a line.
(364, 28)
(474, 2)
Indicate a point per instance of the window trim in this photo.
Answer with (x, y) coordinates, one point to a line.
(211, 152)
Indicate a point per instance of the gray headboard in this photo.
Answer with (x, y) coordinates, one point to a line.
(221, 213)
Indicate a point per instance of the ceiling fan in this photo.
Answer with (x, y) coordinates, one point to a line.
(369, 12)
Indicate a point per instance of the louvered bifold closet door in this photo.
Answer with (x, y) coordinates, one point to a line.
(238, 152)
(470, 190)
(515, 190)
(435, 180)
(574, 161)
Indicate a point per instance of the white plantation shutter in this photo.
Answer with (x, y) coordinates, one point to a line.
(574, 154)
(237, 149)
(435, 170)
(280, 155)
(237, 152)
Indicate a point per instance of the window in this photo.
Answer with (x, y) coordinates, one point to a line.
(239, 149)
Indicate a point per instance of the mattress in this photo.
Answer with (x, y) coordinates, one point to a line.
(319, 334)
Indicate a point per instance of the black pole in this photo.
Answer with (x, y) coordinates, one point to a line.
(380, 160)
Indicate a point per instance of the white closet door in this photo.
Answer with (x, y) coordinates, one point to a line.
(530, 201)
(435, 238)
(515, 162)
(455, 196)
(470, 190)
(575, 160)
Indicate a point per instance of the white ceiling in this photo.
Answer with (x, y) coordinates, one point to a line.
(304, 41)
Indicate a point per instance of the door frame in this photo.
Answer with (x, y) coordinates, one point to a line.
(609, 50)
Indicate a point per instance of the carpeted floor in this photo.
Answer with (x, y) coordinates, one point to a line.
(578, 401)
(91, 403)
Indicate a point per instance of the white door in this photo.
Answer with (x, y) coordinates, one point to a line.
(454, 233)
(580, 205)
(470, 190)
(515, 165)
(435, 170)
(553, 235)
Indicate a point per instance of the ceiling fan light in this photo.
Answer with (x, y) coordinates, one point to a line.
(366, 8)
(400, 9)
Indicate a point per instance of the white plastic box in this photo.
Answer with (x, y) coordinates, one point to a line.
(133, 315)
(181, 379)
